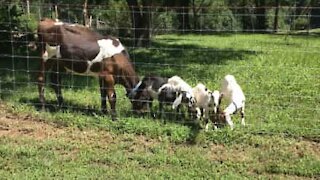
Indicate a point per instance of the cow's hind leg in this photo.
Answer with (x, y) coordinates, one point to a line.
(103, 92)
(108, 83)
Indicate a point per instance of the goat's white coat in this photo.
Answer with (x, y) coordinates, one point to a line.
(234, 95)
(204, 99)
(215, 95)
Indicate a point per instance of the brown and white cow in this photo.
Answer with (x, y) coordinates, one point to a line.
(78, 49)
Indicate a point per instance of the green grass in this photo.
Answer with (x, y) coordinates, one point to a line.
(279, 75)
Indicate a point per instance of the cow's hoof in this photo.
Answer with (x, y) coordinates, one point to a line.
(114, 117)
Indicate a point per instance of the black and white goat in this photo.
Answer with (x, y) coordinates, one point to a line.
(183, 90)
(148, 90)
(232, 92)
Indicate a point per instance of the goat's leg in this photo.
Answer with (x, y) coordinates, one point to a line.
(198, 113)
(243, 123)
(103, 93)
(153, 115)
(55, 79)
(228, 120)
(160, 109)
(206, 118)
(178, 112)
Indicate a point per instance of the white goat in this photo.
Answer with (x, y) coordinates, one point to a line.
(234, 95)
(204, 100)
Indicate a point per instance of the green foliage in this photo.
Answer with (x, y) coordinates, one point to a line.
(115, 18)
(219, 19)
(16, 25)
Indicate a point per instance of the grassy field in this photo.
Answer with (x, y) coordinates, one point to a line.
(279, 75)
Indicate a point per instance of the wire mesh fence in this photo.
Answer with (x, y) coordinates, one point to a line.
(272, 51)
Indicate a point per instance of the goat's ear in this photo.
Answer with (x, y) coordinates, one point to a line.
(177, 102)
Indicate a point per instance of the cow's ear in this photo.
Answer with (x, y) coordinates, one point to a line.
(177, 102)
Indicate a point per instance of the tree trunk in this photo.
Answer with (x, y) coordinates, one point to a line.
(28, 8)
(183, 15)
(246, 17)
(195, 16)
(140, 19)
(276, 16)
(315, 14)
(85, 13)
(261, 23)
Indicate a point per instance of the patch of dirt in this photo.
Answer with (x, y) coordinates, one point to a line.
(25, 126)
(12, 125)
(303, 148)
(222, 153)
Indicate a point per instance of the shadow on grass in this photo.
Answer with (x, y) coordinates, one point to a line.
(68, 106)
(178, 58)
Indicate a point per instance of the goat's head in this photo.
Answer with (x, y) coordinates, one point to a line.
(216, 98)
(219, 118)
(140, 101)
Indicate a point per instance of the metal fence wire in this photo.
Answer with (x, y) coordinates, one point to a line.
(179, 41)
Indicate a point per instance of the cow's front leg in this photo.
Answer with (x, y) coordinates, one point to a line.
(45, 64)
(56, 83)
(41, 81)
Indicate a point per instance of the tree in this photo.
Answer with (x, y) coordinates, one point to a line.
(182, 9)
(276, 16)
(261, 16)
(315, 14)
(183, 14)
(140, 17)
